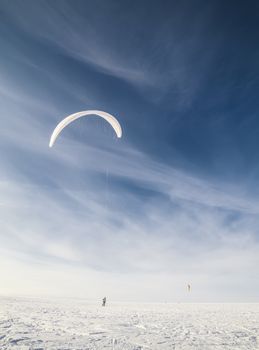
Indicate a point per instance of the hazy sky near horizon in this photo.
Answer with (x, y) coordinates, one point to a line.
(176, 200)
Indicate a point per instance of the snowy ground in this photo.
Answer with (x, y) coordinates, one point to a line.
(41, 324)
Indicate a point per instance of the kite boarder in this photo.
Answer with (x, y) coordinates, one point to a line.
(104, 301)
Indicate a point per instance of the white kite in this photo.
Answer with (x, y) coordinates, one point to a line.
(108, 117)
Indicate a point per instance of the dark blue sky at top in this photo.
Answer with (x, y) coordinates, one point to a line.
(203, 116)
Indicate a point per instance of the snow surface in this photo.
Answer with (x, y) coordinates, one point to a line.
(67, 324)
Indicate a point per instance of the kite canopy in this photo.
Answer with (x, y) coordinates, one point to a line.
(69, 119)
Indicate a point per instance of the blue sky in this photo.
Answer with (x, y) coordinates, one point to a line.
(176, 200)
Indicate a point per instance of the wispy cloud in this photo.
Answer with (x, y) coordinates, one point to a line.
(159, 65)
(59, 208)
(182, 221)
